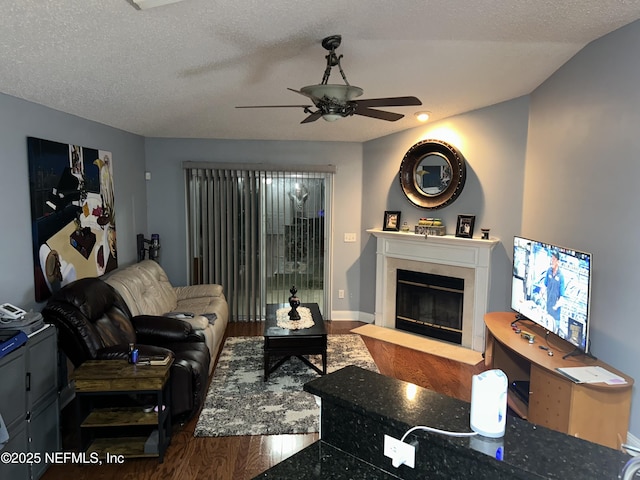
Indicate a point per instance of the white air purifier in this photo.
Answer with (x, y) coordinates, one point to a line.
(489, 403)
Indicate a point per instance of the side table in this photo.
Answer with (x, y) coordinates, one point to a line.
(111, 423)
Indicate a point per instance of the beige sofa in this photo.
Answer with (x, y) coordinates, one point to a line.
(146, 289)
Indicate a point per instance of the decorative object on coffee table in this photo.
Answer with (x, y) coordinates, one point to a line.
(297, 317)
(283, 320)
(295, 303)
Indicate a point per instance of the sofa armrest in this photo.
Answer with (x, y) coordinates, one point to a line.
(198, 322)
(154, 330)
(198, 291)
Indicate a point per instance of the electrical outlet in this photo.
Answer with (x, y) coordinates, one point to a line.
(340, 293)
(400, 453)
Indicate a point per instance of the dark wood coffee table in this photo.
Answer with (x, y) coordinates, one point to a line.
(284, 343)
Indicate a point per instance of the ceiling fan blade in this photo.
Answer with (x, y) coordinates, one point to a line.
(379, 114)
(388, 102)
(274, 106)
(313, 117)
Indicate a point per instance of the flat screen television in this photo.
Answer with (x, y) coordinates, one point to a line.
(551, 286)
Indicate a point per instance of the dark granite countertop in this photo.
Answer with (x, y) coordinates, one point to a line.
(528, 450)
(323, 461)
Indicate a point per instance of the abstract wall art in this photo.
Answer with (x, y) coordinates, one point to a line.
(72, 213)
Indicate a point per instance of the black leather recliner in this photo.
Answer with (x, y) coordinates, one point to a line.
(94, 323)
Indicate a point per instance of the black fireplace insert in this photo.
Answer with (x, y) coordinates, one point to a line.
(430, 305)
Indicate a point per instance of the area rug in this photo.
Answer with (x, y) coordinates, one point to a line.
(420, 343)
(240, 402)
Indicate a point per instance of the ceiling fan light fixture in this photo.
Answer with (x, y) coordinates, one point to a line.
(338, 93)
(422, 116)
(331, 117)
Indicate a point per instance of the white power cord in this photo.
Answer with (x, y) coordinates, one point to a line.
(403, 453)
(437, 430)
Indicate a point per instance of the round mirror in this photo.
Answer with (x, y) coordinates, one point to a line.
(432, 174)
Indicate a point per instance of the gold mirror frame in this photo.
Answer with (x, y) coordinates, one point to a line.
(413, 159)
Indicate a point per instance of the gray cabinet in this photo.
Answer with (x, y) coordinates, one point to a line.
(29, 403)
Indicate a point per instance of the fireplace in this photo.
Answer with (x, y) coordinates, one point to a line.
(430, 305)
(468, 259)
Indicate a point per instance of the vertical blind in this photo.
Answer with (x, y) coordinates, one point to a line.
(257, 230)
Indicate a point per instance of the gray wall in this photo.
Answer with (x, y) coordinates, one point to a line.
(493, 142)
(166, 197)
(581, 184)
(20, 119)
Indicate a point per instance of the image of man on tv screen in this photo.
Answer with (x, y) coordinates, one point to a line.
(554, 288)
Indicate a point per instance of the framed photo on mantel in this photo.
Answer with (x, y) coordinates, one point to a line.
(464, 227)
(391, 221)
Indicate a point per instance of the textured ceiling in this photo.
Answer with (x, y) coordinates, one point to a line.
(179, 70)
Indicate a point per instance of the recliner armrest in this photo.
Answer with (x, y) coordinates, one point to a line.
(116, 352)
(154, 329)
(121, 352)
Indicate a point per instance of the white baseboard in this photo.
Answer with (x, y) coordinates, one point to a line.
(634, 442)
(351, 316)
(367, 317)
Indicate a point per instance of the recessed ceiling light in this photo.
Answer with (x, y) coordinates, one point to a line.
(144, 4)
(422, 116)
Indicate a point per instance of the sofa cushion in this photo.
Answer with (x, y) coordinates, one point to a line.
(205, 305)
(145, 290)
(196, 291)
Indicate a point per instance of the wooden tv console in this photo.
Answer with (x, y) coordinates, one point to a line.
(596, 411)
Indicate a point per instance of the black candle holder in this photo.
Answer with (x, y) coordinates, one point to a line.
(295, 303)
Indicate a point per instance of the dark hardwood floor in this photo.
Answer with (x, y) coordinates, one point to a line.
(238, 458)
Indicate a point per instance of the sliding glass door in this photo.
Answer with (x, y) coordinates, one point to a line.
(294, 239)
(258, 233)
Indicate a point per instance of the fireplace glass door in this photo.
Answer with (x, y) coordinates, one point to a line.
(430, 305)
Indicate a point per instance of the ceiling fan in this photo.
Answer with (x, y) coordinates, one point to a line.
(334, 101)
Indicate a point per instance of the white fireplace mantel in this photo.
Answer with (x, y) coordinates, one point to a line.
(467, 258)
